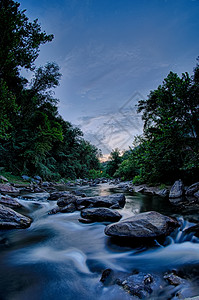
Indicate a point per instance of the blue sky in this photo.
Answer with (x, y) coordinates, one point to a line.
(111, 54)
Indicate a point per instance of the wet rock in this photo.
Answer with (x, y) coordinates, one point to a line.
(66, 200)
(11, 219)
(70, 208)
(85, 221)
(108, 277)
(177, 189)
(101, 214)
(79, 194)
(192, 189)
(173, 279)
(102, 201)
(8, 189)
(37, 189)
(163, 193)
(140, 285)
(54, 211)
(9, 201)
(56, 195)
(149, 225)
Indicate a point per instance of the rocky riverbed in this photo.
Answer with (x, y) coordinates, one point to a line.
(115, 242)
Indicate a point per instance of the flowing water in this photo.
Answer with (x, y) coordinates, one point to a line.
(60, 258)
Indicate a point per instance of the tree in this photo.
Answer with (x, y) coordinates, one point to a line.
(34, 138)
(168, 148)
(19, 42)
(113, 164)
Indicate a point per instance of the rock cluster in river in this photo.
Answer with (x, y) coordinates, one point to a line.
(93, 209)
(144, 285)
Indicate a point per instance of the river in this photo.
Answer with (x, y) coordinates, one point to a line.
(60, 258)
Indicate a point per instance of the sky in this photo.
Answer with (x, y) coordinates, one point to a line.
(111, 54)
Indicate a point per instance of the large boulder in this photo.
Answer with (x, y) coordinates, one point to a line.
(101, 214)
(148, 225)
(8, 189)
(11, 219)
(177, 190)
(102, 201)
(9, 201)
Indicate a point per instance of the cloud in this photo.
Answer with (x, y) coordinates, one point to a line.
(110, 131)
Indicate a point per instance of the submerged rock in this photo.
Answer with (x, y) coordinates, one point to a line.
(11, 219)
(177, 189)
(149, 225)
(102, 201)
(101, 214)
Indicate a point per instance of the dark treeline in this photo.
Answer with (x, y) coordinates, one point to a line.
(34, 138)
(169, 147)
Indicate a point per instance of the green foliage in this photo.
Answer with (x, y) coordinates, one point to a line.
(168, 149)
(93, 174)
(8, 110)
(114, 162)
(34, 139)
(128, 168)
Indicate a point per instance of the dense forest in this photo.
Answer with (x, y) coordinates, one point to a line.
(36, 140)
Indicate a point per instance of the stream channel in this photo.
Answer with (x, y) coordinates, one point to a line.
(60, 258)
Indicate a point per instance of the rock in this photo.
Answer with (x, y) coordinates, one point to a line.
(78, 193)
(11, 219)
(192, 189)
(149, 225)
(8, 189)
(107, 277)
(26, 178)
(38, 178)
(174, 279)
(70, 208)
(101, 214)
(3, 179)
(9, 201)
(102, 201)
(140, 285)
(37, 189)
(163, 193)
(85, 221)
(54, 211)
(66, 200)
(56, 195)
(177, 189)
